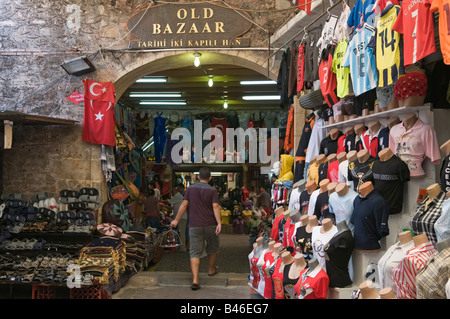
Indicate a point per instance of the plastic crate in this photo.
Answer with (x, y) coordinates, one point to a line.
(95, 291)
(40, 291)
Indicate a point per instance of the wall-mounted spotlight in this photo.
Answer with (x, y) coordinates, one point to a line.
(197, 59)
(78, 66)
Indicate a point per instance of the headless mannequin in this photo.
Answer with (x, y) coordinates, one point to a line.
(276, 250)
(363, 156)
(352, 155)
(368, 291)
(409, 120)
(385, 154)
(321, 159)
(420, 239)
(366, 188)
(312, 222)
(393, 121)
(334, 133)
(349, 130)
(331, 158)
(341, 189)
(445, 148)
(327, 224)
(342, 156)
(413, 100)
(304, 220)
(311, 186)
(295, 216)
(331, 188)
(374, 127)
(270, 245)
(387, 293)
(287, 259)
(443, 244)
(433, 191)
(298, 265)
(405, 237)
(278, 211)
(259, 247)
(342, 226)
(312, 264)
(324, 185)
(359, 129)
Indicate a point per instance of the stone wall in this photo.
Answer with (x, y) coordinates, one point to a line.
(50, 158)
(36, 36)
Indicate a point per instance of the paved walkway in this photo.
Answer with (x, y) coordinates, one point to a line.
(171, 277)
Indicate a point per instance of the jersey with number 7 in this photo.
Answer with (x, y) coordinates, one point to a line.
(415, 22)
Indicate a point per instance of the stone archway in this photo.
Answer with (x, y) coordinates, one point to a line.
(165, 60)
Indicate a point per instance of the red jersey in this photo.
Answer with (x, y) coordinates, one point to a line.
(415, 22)
(274, 234)
(328, 82)
(313, 284)
(268, 261)
(443, 6)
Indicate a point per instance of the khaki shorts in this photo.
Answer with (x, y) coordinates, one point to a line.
(201, 240)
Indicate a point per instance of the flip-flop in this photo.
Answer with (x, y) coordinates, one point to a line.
(216, 270)
(195, 286)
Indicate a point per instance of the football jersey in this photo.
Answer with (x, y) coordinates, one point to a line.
(444, 26)
(361, 61)
(415, 22)
(342, 73)
(328, 81)
(388, 48)
(362, 12)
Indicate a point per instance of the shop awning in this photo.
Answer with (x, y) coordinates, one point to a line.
(19, 118)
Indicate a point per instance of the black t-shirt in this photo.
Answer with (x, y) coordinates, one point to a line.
(303, 240)
(359, 173)
(445, 174)
(389, 177)
(349, 142)
(304, 202)
(329, 146)
(322, 209)
(338, 252)
(237, 195)
(323, 170)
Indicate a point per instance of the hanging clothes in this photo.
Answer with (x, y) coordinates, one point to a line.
(302, 147)
(159, 135)
(283, 79)
(142, 133)
(289, 138)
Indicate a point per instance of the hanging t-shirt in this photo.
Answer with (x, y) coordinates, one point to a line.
(361, 61)
(342, 206)
(338, 252)
(327, 33)
(342, 73)
(341, 32)
(362, 12)
(319, 242)
(415, 21)
(327, 78)
(443, 6)
(389, 177)
(388, 48)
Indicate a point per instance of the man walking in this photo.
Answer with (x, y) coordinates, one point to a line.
(204, 223)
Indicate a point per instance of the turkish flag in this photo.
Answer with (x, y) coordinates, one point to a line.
(99, 116)
(99, 91)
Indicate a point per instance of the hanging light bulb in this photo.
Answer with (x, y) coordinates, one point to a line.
(197, 59)
(210, 81)
(225, 104)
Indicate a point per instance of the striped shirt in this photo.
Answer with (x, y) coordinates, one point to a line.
(425, 218)
(431, 280)
(361, 61)
(405, 273)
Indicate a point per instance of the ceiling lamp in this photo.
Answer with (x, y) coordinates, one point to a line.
(78, 66)
(210, 81)
(152, 79)
(162, 102)
(197, 59)
(257, 82)
(261, 97)
(155, 95)
(225, 105)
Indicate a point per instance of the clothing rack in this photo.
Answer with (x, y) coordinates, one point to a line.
(304, 30)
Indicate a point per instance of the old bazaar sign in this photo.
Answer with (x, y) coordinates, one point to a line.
(189, 25)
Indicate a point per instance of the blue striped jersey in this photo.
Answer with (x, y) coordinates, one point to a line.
(361, 61)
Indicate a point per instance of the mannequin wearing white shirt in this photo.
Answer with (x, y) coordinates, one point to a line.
(321, 235)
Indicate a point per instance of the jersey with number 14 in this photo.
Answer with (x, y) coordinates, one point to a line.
(388, 47)
(415, 22)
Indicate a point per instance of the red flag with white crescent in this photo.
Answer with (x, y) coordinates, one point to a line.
(99, 114)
